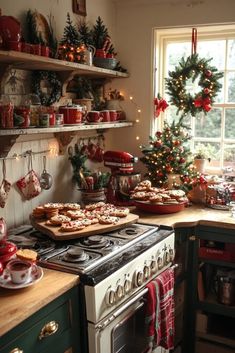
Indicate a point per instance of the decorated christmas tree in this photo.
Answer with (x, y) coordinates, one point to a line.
(168, 154)
(71, 46)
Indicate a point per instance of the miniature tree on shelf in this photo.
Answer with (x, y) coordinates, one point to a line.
(85, 33)
(168, 154)
(71, 46)
(99, 34)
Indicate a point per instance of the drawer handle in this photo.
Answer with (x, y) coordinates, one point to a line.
(16, 350)
(49, 329)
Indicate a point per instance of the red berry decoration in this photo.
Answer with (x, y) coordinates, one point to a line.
(182, 160)
(176, 142)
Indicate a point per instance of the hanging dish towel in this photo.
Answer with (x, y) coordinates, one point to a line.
(160, 311)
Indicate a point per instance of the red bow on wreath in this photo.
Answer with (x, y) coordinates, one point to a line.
(205, 103)
(160, 105)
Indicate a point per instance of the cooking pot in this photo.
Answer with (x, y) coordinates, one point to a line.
(72, 113)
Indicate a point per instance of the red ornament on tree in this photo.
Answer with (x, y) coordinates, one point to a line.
(158, 134)
(176, 142)
(157, 143)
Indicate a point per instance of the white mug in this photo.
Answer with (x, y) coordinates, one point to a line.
(19, 270)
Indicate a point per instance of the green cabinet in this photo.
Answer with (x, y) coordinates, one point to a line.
(53, 329)
(209, 322)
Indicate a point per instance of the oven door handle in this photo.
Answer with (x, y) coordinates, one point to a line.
(118, 312)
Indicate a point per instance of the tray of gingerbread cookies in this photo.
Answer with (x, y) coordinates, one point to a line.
(64, 221)
(158, 200)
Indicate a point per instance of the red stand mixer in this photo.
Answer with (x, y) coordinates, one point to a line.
(7, 249)
(123, 179)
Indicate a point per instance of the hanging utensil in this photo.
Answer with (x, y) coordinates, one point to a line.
(45, 178)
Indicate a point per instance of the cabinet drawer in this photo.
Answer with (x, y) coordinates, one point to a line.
(33, 336)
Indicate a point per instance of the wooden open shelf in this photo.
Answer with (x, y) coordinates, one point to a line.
(25, 61)
(64, 134)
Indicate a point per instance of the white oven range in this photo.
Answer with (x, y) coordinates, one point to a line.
(114, 269)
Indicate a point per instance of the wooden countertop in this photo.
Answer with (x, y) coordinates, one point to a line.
(18, 304)
(189, 217)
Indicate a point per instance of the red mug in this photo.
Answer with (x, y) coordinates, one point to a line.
(100, 53)
(113, 115)
(105, 115)
(94, 116)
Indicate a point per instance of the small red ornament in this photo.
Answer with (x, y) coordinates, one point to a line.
(176, 143)
(158, 134)
(206, 91)
(168, 168)
(157, 143)
(182, 160)
(208, 73)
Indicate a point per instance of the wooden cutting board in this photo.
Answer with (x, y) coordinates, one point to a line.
(56, 234)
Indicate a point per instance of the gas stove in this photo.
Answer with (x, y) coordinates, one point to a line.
(114, 269)
(90, 255)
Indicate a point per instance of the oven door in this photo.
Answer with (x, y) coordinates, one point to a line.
(123, 331)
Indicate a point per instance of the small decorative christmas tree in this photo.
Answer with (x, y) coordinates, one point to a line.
(99, 34)
(71, 46)
(85, 34)
(169, 154)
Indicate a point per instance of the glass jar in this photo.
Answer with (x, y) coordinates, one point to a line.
(6, 112)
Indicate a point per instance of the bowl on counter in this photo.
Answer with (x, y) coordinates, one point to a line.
(105, 63)
(159, 209)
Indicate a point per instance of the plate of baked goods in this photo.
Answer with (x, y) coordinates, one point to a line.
(158, 200)
(159, 208)
(64, 221)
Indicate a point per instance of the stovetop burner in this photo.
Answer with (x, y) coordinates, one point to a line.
(75, 254)
(99, 242)
(132, 231)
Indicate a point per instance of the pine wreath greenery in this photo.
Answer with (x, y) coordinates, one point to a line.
(193, 68)
(51, 77)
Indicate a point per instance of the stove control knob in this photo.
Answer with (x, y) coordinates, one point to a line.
(166, 258)
(160, 262)
(127, 286)
(110, 297)
(119, 292)
(153, 266)
(172, 254)
(147, 272)
(139, 278)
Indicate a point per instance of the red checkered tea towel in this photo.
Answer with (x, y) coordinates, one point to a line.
(160, 311)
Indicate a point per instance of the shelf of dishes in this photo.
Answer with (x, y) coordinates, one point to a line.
(66, 128)
(26, 61)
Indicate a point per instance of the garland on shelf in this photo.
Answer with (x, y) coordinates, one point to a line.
(54, 93)
(193, 68)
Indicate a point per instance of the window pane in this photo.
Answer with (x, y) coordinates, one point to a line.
(230, 123)
(213, 152)
(231, 87)
(175, 51)
(209, 125)
(231, 54)
(210, 50)
(229, 156)
(220, 96)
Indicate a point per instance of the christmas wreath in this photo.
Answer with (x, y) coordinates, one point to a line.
(193, 68)
(54, 93)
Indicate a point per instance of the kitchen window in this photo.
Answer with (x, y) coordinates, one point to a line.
(215, 131)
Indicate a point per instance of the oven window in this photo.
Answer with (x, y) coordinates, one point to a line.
(130, 335)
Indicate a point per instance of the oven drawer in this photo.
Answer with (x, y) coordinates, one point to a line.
(50, 330)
